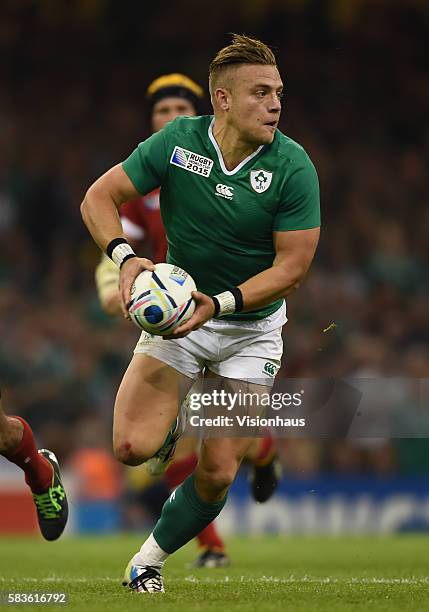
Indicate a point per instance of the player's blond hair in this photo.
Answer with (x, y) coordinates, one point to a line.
(242, 50)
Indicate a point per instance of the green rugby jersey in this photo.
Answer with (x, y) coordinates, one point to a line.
(220, 222)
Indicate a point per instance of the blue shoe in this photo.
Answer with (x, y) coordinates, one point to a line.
(143, 578)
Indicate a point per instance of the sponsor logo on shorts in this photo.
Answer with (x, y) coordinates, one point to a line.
(224, 191)
(270, 369)
(260, 180)
(188, 160)
(147, 338)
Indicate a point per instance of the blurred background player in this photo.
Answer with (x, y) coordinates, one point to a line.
(42, 473)
(170, 96)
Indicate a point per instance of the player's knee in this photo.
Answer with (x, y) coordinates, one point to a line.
(128, 453)
(125, 453)
(135, 452)
(10, 434)
(219, 477)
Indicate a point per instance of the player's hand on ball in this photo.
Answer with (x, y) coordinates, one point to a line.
(129, 271)
(204, 311)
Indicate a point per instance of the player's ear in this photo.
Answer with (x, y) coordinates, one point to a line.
(222, 98)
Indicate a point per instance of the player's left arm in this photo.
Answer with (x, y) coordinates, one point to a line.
(294, 253)
(296, 231)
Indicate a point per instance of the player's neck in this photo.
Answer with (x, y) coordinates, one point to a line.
(233, 148)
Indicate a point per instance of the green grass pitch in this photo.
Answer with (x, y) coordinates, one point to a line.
(267, 574)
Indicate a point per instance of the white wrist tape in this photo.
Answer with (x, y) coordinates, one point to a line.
(227, 303)
(122, 252)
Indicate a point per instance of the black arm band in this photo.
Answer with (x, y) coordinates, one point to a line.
(236, 292)
(216, 305)
(114, 243)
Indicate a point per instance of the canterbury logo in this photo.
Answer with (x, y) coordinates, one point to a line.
(270, 369)
(224, 191)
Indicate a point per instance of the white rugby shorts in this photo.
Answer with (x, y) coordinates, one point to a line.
(243, 350)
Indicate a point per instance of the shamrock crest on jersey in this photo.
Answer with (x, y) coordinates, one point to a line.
(260, 180)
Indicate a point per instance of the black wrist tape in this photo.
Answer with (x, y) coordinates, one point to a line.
(114, 243)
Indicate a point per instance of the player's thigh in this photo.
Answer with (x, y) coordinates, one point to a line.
(147, 403)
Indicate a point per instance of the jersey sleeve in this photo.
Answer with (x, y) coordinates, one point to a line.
(299, 208)
(147, 164)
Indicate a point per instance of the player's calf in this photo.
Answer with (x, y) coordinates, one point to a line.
(190, 508)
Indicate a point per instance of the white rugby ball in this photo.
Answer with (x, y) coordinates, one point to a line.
(161, 300)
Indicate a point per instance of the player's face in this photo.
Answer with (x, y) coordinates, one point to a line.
(255, 102)
(168, 109)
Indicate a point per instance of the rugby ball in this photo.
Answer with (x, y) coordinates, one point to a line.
(161, 300)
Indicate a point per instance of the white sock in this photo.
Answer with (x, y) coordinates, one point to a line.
(150, 554)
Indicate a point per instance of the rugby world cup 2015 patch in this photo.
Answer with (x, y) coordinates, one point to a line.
(188, 160)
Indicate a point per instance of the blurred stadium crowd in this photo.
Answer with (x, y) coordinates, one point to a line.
(73, 78)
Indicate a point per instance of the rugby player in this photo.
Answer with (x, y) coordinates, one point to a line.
(170, 96)
(240, 205)
(42, 473)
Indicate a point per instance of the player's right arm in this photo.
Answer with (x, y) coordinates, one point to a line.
(141, 173)
(100, 207)
(100, 213)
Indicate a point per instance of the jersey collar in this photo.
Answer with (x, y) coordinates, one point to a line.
(220, 158)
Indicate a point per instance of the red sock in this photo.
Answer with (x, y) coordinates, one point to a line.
(38, 471)
(179, 470)
(266, 451)
(209, 538)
